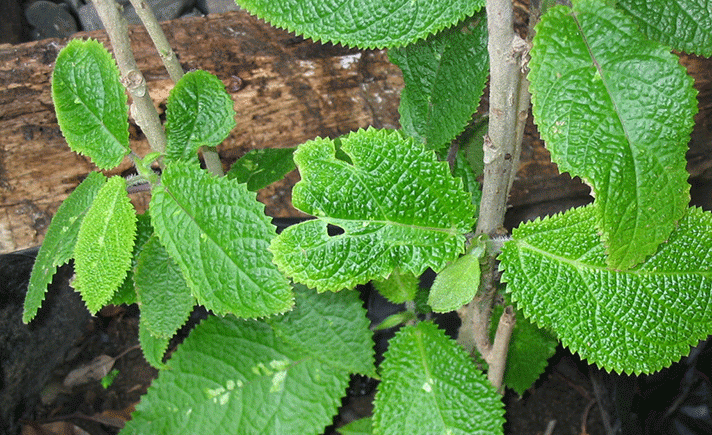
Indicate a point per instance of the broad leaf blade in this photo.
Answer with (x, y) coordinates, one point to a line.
(217, 233)
(252, 377)
(398, 207)
(102, 254)
(686, 25)
(444, 78)
(58, 246)
(165, 299)
(431, 386)
(342, 327)
(455, 285)
(90, 103)
(260, 168)
(364, 24)
(633, 321)
(615, 109)
(199, 112)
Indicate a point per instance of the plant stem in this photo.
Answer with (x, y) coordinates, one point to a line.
(500, 347)
(168, 56)
(508, 110)
(142, 109)
(212, 161)
(175, 70)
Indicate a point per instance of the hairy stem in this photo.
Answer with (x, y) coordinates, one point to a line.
(508, 110)
(142, 108)
(168, 56)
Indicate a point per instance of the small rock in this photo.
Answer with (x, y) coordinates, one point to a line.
(217, 6)
(163, 9)
(49, 20)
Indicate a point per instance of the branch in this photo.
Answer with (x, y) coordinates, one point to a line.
(175, 70)
(168, 56)
(500, 348)
(142, 109)
(508, 111)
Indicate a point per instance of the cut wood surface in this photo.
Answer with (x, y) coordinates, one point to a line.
(286, 91)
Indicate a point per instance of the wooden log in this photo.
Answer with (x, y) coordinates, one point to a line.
(286, 91)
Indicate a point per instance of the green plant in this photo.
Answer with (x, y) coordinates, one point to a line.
(625, 282)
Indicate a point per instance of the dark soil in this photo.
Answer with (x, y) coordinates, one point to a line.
(562, 399)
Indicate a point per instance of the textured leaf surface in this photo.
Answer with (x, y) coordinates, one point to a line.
(164, 297)
(217, 233)
(126, 294)
(444, 78)
(530, 348)
(253, 377)
(90, 103)
(153, 347)
(398, 287)
(686, 25)
(58, 246)
(615, 109)
(199, 112)
(431, 386)
(633, 321)
(398, 207)
(102, 254)
(346, 331)
(260, 168)
(363, 23)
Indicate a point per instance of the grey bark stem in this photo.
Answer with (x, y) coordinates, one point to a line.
(508, 109)
(142, 109)
(175, 70)
(168, 56)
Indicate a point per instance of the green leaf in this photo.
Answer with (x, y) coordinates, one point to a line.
(58, 246)
(464, 170)
(398, 287)
(457, 284)
(431, 386)
(362, 426)
(529, 351)
(102, 254)
(444, 78)
(199, 112)
(260, 168)
(254, 377)
(395, 319)
(153, 347)
(347, 329)
(684, 24)
(126, 294)
(165, 299)
(615, 109)
(217, 233)
(90, 103)
(364, 24)
(634, 321)
(398, 207)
